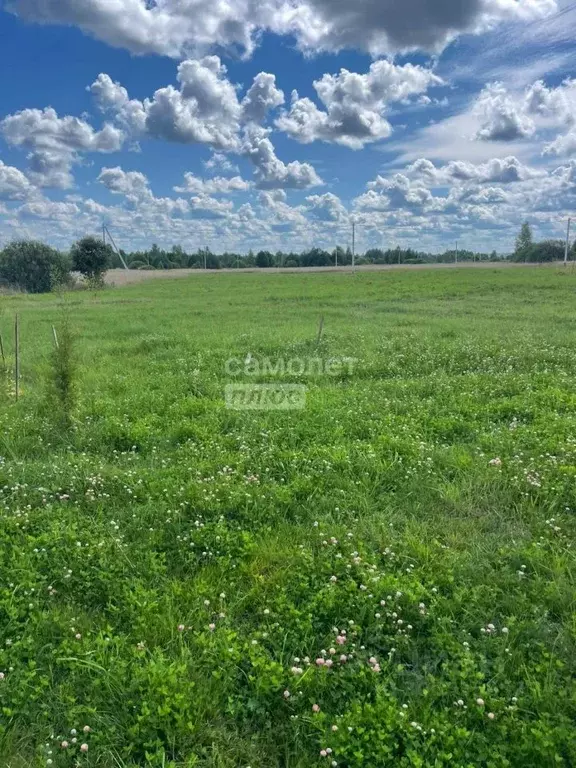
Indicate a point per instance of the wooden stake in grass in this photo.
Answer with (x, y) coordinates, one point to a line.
(17, 356)
(2, 352)
(55, 337)
(320, 329)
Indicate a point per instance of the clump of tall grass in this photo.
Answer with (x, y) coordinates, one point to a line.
(62, 374)
(4, 370)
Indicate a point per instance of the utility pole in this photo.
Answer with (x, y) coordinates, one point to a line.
(567, 243)
(456, 262)
(336, 255)
(353, 245)
(106, 231)
(205, 249)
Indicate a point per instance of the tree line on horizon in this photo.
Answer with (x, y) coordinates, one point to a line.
(35, 267)
(177, 258)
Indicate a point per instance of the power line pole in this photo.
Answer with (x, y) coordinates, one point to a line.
(106, 231)
(353, 245)
(456, 262)
(567, 243)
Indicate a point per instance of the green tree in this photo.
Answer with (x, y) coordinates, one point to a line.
(34, 267)
(264, 259)
(524, 242)
(91, 257)
(547, 250)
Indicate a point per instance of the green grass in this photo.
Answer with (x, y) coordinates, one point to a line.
(161, 508)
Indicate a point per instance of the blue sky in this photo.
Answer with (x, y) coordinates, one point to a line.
(275, 124)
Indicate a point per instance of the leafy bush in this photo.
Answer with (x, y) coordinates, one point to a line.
(33, 267)
(62, 376)
(547, 250)
(92, 258)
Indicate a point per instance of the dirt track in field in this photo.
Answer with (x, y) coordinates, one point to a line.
(126, 277)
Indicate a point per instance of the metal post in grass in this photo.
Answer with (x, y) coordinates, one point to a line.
(17, 356)
(320, 330)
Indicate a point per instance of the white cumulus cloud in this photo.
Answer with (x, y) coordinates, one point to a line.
(131, 184)
(262, 96)
(502, 117)
(14, 185)
(505, 170)
(55, 143)
(354, 104)
(271, 172)
(219, 185)
(380, 27)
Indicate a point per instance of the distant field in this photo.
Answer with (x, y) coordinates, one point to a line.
(383, 578)
(127, 276)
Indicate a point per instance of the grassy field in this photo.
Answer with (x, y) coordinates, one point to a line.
(385, 578)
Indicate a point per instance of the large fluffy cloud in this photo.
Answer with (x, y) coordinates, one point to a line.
(204, 109)
(175, 27)
(502, 118)
(272, 173)
(131, 184)
(219, 185)
(557, 105)
(327, 208)
(354, 104)
(55, 143)
(398, 192)
(507, 116)
(505, 170)
(48, 209)
(384, 26)
(14, 185)
(262, 96)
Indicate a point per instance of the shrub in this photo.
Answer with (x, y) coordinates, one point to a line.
(62, 375)
(92, 257)
(547, 250)
(34, 267)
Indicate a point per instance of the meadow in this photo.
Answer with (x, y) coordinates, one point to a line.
(384, 578)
